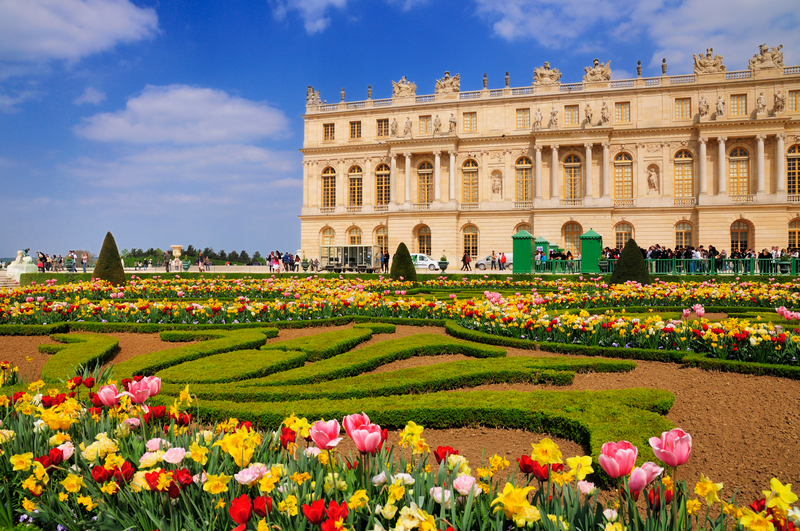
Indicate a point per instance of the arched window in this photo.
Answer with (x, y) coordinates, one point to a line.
(684, 176)
(572, 237)
(623, 176)
(794, 234)
(523, 226)
(425, 183)
(793, 170)
(738, 174)
(424, 240)
(524, 180)
(740, 236)
(355, 236)
(328, 240)
(328, 187)
(471, 241)
(623, 232)
(355, 189)
(683, 235)
(382, 186)
(382, 239)
(573, 185)
(469, 182)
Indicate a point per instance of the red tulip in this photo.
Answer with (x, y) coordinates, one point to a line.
(288, 435)
(88, 382)
(336, 512)
(315, 512)
(758, 505)
(183, 477)
(262, 506)
(124, 473)
(74, 382)
(174, 490)
(442, 452)
(241, 509)
(44, 460)
(654, 497)
(100, 474)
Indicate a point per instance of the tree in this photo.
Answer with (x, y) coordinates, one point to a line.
(190, 251)
(222, 255)
(256, 255)
(209, 252)
(244, 257)
(233, 256)
(402, 266)
(630, 266)
(125, 253)
(109, 264)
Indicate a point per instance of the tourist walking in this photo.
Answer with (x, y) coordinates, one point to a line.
(84, 260)
(465, 260)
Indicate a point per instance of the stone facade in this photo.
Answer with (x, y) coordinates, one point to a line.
(644, 157)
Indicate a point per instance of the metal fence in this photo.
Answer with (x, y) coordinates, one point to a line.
(718, 266)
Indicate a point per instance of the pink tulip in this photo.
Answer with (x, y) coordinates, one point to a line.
(108, 395)
(153, 383)
(138, 391)
(686, 312)
(673, 448)
(618, 458)
(642, 476)
(325, 434)
(367, 438)
(354, 421)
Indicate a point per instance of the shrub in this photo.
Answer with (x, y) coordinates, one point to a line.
(630, 266)
(402, 266)
(34, 330)
(233, 366)
(109, 264)
(87, 350)
(324, 345)
(377, 328)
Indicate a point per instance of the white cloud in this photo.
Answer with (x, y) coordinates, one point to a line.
(8, 103)
(313, 12)
(90, 95)
(408, 5)
(181, 114)
(621, 74)
(42, 30)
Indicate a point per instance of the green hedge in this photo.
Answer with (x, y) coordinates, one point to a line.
(225, 341)
(324, 345)
(34, 330)
(378, 328)
(742, 367)
(78, 349)
(233, 366)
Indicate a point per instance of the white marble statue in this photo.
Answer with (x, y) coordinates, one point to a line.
(589, 113)
(537, 119)
(312, 97)
(393, 127)
(766, 58)
(720, 106)
(702, 107)
(448, 84)
(497, 183)
(437, 126)
(453, 124)
(605, 114)
(544, 75)
(708, 64)
(553, 119)
(403, 88)
(597, 72)
(407, 127)
(652, 180)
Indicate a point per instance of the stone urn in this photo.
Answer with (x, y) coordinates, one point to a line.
(304, 264)
(176, 251)
(443, 265)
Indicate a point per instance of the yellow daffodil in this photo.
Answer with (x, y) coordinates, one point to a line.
(581, 466)
(756, 521)
(707, 489)
(780, 495)
(546, 452)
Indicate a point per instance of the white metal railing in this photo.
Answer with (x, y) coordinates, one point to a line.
(356, 105)
(382, 103)
(494, 93)
(332, 107)
(420, 206)
(354, 209)
(626, 83)
(652, 81)
(791, 70)
(739, 74)
(469, 206)
(522, 91)
(572, 202)
(674, 80)
(570, 87)
(425, 99)
(794, 198)
(748, 198)
(469, 95)
(622, 203)
(523, 205)
(684, 201)
(327, 210)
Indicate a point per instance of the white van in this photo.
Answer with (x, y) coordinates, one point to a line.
(423, 261)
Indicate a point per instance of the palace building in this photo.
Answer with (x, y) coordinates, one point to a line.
(709, 158)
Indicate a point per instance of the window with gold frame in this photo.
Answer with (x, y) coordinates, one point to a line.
(740, 236)
(471, 241)
(425, 125)
(622, 112)
(355, 130)
(524, 226)
(469, 182)
(738, 172)
(524, 179)
(523, 118)
(382, 237)
(328, 239)
(424, 240)
(738, 105)
(573, 184)
(572, 237)
(329, 131)
(794, 234)
(470, 120)
(355, 188)
(683, 108)
(571, 116)
(382, 184)
(793, 170)
(794, 100)
(328, 187)
(683, 235)
(684, 174)
(383, 127)
(623, 232)
(355, 236)
(623, 176)
(425, 183)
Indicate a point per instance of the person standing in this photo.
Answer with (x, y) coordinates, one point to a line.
(84, 260)
(494, 260)
(502, 261)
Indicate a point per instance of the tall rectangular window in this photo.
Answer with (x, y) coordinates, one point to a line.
(623, 181)
(425, 125)
(329, 191)
(382, 187)
(794, 100)
(622, 112)
(329, 132)
(355, 191)
(523, 118)
(470, 121)
(355, 129)
(683, 108)
(383, 127)
(739, 105)
(571, 115)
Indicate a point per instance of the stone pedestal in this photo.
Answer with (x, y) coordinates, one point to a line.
(176, 250)
(16, 269)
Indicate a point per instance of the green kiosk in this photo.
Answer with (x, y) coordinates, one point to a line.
(523, 252)
(591, 252)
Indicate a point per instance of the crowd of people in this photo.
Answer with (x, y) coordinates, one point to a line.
(56, 263)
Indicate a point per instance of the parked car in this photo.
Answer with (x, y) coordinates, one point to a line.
(486, 263)
(423, 261)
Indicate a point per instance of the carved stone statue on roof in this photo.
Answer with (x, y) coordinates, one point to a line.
(407, 128)
(589, 113)
(708, 63)
(393, 127)
(780, 102)
(553, 124)
(766, 58)
(537, 119)
(605, 114)
(720, 107)
(702, 107)
(312, 97)
(544, 75)
(437, 126)
(761, 104)
(597, 72)
(448, 84)
(403, 88)
(453, 124)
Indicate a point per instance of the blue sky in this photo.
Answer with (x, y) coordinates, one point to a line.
(179, 121)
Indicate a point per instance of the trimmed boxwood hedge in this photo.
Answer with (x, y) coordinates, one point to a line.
(233, 366)
(34, 330)
(78, 349)
(324, 345)
(378, 328)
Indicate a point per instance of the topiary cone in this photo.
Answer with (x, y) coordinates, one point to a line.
(109, 264)
(402, 265)
(630, 266)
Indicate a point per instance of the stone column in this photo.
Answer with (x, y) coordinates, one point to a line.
(702, 165)
(341, 184)
(367, 183)
(537, 176)
(305, 183)
(393, 180)
(588, 191)
(722, 182)
(780, 158)
(437, 166)
(452, 176)
(760, 163)
(407, 172)
(606, 185)
(554, 172)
